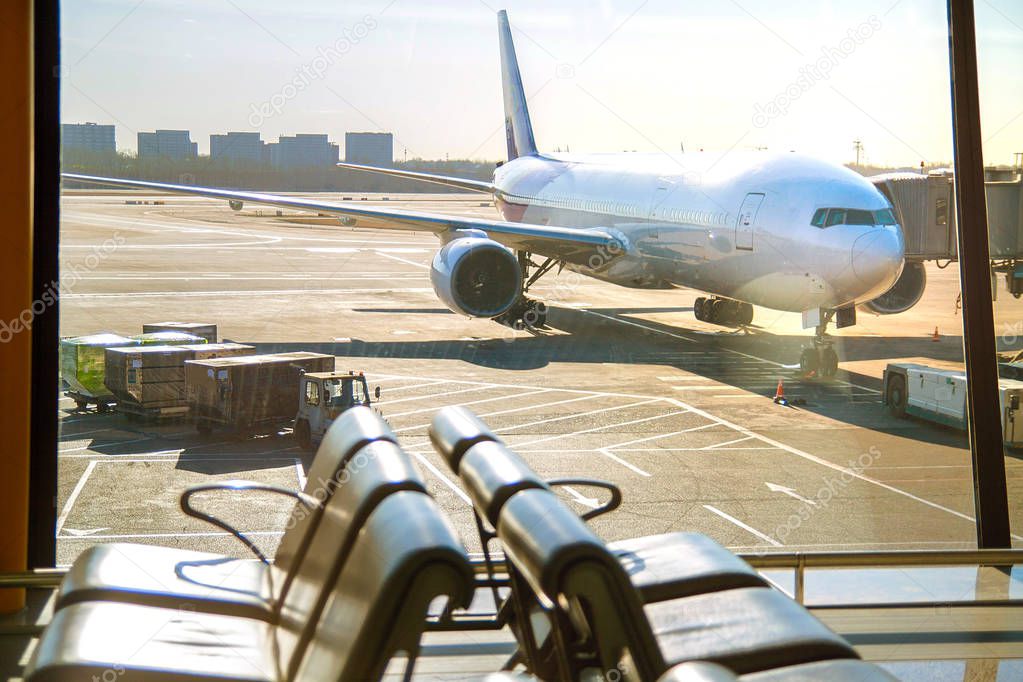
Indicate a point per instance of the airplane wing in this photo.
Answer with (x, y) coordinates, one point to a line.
(461, 183)
(562, 243)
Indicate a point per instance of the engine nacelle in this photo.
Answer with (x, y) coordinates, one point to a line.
(476, 276)
(904, 294)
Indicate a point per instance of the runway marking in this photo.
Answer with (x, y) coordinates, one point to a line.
(716, 387)
(636, 324)
(729, 442)
(575, 416)
(444, 479)
(825, 463)
(138, 536)
(628, 465)
(433, 408)
(508, 411)
(432, 395)
(598, 428)
(73, 497)
(408, 387)
(659, 435)
(740, 524)
(403, 260)
(300, 474)
(103, 445)
(252, 292)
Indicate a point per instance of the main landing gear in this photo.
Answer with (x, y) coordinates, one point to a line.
(528, 313)
(723, 311)
(821, 357)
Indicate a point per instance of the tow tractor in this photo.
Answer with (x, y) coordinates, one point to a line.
(322, 397)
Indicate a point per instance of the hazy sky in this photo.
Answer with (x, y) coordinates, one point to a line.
(602, 76)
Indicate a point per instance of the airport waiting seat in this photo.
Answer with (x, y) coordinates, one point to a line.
(405, 557)
(661, 567)
(165, 576)
(598, 619)
(843, 670)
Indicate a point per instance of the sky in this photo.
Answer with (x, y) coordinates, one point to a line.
(611, 75)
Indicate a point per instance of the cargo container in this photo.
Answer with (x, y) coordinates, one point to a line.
(82, 361)
(256, 392)
(939, 395)
(205, 330)
(150, 380)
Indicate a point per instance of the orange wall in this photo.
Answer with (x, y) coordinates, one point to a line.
(15, 286)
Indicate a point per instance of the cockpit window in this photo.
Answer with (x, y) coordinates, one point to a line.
(828, 217)
(836, 216)
(818, 217)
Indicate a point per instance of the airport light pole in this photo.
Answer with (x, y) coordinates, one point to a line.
(990, 497)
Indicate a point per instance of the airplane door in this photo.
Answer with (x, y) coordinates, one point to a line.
(746, 223)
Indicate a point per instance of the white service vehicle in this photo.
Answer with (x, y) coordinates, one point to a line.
(939, 395)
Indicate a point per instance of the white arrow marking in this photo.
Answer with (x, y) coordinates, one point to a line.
(591, 502)
(775, 488)
(83, 533)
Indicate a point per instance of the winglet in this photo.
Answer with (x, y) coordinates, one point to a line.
(518, 129)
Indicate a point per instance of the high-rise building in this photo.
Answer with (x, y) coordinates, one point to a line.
(170, 144)
(91, 137)
(236, 146)
(372, 149)
(301, 150)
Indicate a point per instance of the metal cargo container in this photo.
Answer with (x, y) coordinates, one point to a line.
(249, 392)
(210, 351)
(206, 331)
(82, 360)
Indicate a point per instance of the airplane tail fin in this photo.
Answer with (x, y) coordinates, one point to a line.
(518, 130)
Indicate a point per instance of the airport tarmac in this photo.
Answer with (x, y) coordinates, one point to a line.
(624, 385)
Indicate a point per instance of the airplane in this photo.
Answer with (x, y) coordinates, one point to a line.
(782, 231)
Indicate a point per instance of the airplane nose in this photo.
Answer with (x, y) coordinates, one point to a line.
(877, 255)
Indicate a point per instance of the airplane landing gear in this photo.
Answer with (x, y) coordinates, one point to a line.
(723, 311)
(821, 357)
(528, 313)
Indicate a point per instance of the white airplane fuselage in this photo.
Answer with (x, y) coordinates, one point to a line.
(737, 226)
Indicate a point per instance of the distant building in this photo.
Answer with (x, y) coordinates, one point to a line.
(88, 137)
(371, 149)
(237, 147)
(170, 144)
(302, 150)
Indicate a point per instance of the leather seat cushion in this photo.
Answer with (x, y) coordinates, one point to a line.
(747, 630)
(147, 644)
(680, 565)
(170, 578)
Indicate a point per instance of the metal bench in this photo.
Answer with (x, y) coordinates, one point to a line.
(598, 621)
(214, 583)
(661, 567)
(404, 558)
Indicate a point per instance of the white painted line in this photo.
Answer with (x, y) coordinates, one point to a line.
(104, 445)
(74, 495)
(300, 474)
(825, 463)
(430, 396)
(636, 324)
(403, 260)
(728, 442)
(576, 415)
(660, 435)
(137, 536)
(716, 387)
(598, 428)
(628, 465)
(472, 402)
(508, 411)
(409, 387)
(444, 479)
(740, 524)
(255, 292)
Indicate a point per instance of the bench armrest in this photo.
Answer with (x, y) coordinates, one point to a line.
(308, 501)
(609, 506)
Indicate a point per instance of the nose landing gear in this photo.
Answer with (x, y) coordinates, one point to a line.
(723, 311)
(821, 357)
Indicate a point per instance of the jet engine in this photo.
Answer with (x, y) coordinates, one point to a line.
(904, 294)
(476, 276)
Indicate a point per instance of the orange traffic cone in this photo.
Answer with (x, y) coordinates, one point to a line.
(935, 337)
(779, 393)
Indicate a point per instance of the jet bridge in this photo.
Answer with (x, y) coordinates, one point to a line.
(925, 206)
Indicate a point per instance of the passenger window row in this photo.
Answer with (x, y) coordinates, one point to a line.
(368, 562)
